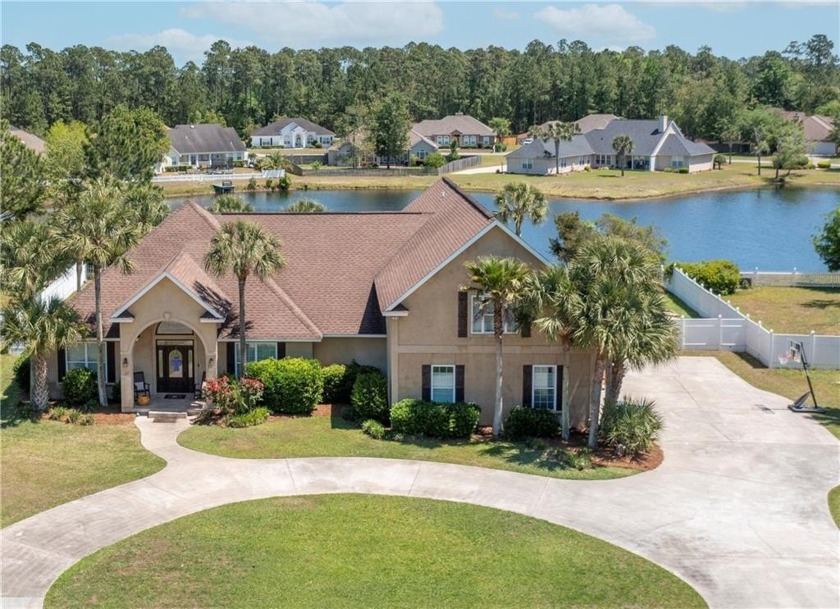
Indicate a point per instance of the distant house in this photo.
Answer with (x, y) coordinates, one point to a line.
(817, 130)
(419, 147)
(657, 144)
(211, 146)
(33, 142)
(463, 128)
(292, 133)
(585, 124)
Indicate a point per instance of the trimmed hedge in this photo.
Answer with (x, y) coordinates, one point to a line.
(631, 424)
(352, 370)
(720, 276)
(370, 397)
(293, 385)
(21, 371)
(334, 384)
(80, 387)
(435, 420)
(531, 423)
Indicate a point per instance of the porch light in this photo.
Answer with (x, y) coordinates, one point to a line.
(210, 362)
(125, 362)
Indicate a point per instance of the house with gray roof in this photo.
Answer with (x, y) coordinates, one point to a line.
(469, 132)
(292, 133)
(817, 130)
(33, 142)
(657, 145)
(419, 147)
(203, 146)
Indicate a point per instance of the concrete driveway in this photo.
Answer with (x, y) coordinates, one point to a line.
(738, 508)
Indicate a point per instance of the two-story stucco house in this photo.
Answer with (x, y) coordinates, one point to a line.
(383, 288)
(292, 133)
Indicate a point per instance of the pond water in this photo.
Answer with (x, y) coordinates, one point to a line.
(766, 229)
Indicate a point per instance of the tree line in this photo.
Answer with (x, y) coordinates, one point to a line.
(247, 87)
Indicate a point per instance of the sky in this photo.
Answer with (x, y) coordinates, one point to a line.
(734, 29)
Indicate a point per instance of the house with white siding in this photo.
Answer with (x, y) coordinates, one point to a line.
(292, 133)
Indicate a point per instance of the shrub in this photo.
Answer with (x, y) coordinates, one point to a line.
(374, 429)
(89, 406)
(252, 184)
(668, 170)
(435, 420)
(530, 423)
(370, 396)
(630, 425)
(682, 170)
(79, 386)
(435, 160)
(257, 416)
(57, 413)
(20, 370)
(353, 370)
(719, 276)
(86, 419)
(719, 161)
(293, 385)
(334, 384)
(73, 416)
(284, 183)
(824, 164)
(116, 392)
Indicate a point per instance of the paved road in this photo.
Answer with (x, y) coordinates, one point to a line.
(738, 508)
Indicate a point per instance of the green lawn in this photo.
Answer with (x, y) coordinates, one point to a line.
(365, 551)
(792, 310)
(9, 391)
(834, 504)
(324, 436)
(677, 306)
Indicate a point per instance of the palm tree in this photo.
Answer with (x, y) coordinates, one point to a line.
(29, 259)
(45, 326)
(147, 203)
(588, 305)
(623, 145)
(518, 201)
(500, 286)
(244, 249)
(558, 131)
(98, 229)
(759, 146)
(305, 206)
(230, 204)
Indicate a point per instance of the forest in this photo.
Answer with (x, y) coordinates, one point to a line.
(246, 88)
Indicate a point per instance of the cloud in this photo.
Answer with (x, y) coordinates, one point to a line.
(504, 15)
(308, 23)
(182, 45)
(608, 24)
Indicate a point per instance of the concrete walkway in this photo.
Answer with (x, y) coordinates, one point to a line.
(738, 508)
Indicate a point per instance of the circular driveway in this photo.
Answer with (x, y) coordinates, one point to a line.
(738, 508)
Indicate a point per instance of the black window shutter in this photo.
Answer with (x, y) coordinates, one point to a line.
(527, 384)
(231, 358)
(427, 383)
(525, 330)
(463, 313)
(281, 350)
(459, 383)
(111, 350)
(62, 364)
(558, 387)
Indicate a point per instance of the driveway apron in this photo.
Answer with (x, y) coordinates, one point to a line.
(738, 508)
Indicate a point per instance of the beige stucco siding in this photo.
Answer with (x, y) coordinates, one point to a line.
(368, 351)
(429, 335)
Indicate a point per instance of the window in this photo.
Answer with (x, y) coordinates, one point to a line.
(544, 384)
(677, 161)
(527, 164)
(486, 140)
(256, 352)
(482, 321)
(443, 383)
(82, 355)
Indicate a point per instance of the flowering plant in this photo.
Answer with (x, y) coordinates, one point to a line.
(231, 396)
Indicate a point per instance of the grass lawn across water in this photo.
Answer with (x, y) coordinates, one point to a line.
(792, 310)
(365, 551)
(324, 436)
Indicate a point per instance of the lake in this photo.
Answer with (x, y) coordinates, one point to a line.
(763, 228)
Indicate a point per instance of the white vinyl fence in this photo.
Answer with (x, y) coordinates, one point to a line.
(725, 328)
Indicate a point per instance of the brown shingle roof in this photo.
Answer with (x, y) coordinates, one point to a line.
(33, 142)
(342, 269)
(454, 123)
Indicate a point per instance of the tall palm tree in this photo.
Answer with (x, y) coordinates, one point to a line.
(29, 259)
(305, 206)
(518, 201)
(759, 146)
(623, 145)
(45, 326)
(146, 201)
(589, 305)
(500, 286)
(558, 131)
(230, 204)
(244, 249)
(98, 229)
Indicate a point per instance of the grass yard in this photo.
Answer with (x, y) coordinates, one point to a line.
(834, 504)
(792, 310)
(365, 551)
(325, 436)
(675, 305)
(9, 391)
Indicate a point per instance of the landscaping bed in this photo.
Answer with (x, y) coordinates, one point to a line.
(365, 551)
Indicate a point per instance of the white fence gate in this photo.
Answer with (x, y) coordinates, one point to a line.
(725, 328)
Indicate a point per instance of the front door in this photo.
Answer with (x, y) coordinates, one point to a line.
(175, 368)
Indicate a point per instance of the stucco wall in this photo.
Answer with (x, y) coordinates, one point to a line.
(370, 351)
(429, 335)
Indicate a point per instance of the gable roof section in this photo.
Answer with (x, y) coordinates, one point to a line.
(594, 121)
(455, 220)
(33, 142)
(275, 127)
(577, 146)
(204, 139)
(415, 137)
(460, 123)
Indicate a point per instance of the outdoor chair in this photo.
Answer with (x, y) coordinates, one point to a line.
(198, 388)
(141, 387)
